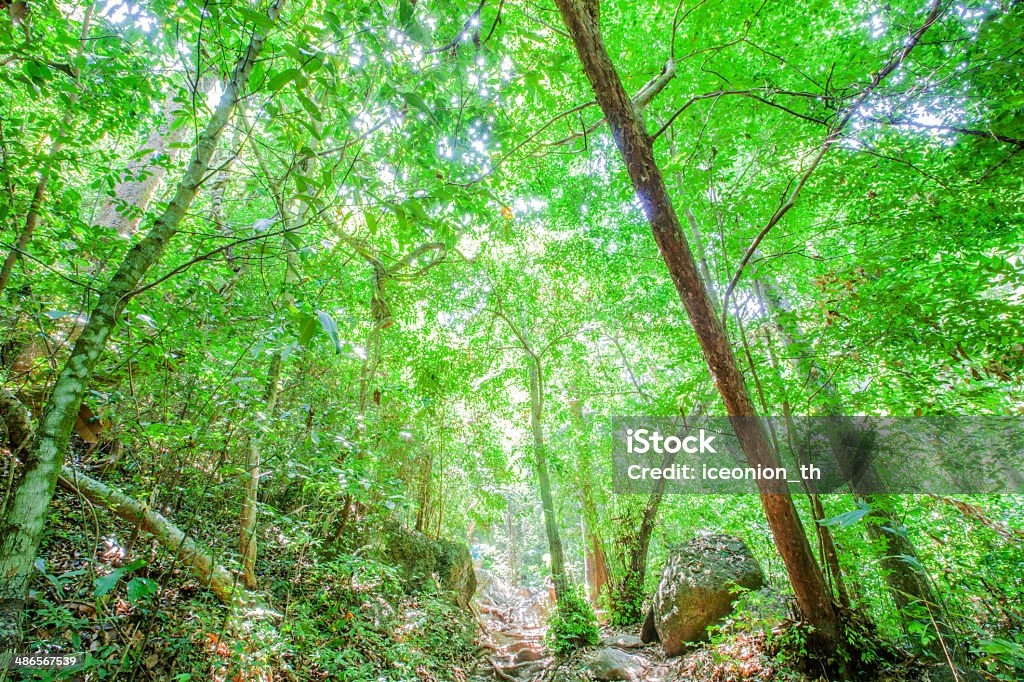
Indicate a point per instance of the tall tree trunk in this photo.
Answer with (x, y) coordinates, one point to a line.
(905, 576)
(597, 573)
(23, 521)
(635, 146)
(247, 544)
(250, 501)
(124, 211)
(35, 208)
(558, 575)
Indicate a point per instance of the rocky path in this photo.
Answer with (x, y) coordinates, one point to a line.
(512, 632)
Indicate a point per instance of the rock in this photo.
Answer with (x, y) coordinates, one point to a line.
(453, 567)
(649, 633)
(623, 641)
(411, 553)
(615, 664)
(696, 588)
(422, 561)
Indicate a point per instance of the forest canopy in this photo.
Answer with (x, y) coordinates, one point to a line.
(324, 324)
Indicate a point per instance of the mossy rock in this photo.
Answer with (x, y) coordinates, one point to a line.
(697, 588)
(423, 562)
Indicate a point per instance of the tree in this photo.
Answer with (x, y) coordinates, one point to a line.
(26, 514)
(633, 142)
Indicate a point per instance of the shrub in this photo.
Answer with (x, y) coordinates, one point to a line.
(572, 624)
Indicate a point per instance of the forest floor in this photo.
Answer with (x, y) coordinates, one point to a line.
(512, 627)
(182, 628)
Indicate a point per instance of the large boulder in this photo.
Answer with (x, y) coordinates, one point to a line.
(615, 664)
(453, 567)
(698, 586)
(422, 561)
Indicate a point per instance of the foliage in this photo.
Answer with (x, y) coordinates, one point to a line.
(408, 189)
(572, 623)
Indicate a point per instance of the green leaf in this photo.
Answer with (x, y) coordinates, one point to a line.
(104, 584)
(331, 327)
(140, 588)
(847, 518)
(405, 12)
(310, 106)
(261, 20)
(282, 79)
(414, 100)
(306, 329)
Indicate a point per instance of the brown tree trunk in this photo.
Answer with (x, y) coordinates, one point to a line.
(25, 516)
(595, 559)
(635, 146)
(598, 575)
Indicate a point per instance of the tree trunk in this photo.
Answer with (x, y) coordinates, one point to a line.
(631, 589)
(39, 195)
(635, 146)
(196, 559)
(558, 575)
(23, 522)
(597, 573)
(124, 211)
(904, 575)
(247, 544)
(250, 501)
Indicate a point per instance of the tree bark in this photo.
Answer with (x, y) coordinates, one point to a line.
(635, 146)
(35, 208)
(558, 575)
(23, 521)
(124, 211)
(247, 544)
